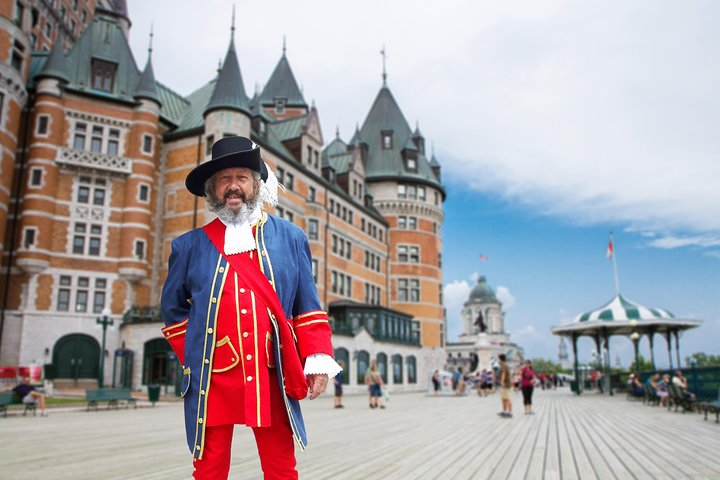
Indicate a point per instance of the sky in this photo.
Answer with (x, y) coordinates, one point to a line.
(555, 123)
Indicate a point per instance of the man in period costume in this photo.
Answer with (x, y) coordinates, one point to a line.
(243, 316)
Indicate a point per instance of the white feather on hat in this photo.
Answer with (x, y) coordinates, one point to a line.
(269, 188)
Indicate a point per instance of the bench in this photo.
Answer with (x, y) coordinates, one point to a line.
(710, 407)
(110, 395)
(651, 397)
(679, 399)
(10, 398)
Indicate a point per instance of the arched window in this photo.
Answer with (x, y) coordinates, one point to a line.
(363, 362)
(382, 366)
(397, 367)
(342, 357)
(411, 369)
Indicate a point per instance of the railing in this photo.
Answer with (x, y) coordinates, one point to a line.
(142, 315)
(99, 161)
(704, 382)
(347, 330)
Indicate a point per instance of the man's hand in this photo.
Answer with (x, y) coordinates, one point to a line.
(317, 384)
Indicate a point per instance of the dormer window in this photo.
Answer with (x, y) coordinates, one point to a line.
(411, 165)
(279, 106)
(103, 75)
(387, 139)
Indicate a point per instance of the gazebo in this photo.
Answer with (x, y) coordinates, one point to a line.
(621, 316)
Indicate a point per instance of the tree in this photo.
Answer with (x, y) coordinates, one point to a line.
(701, 359)
(541, 365)
(643, 365)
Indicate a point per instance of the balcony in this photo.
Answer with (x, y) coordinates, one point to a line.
(93, 160)
(142, 315)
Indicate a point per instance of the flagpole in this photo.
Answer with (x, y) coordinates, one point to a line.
(614, 263)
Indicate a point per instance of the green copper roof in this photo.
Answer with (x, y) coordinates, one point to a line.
(282, 84)
(55, 64)
(105, 41)
(229, 91)
(336, 147)
(341, 162)
(289, 128)
(146, 84)
(193, 116)
(173, 105)
(482, 292)
(385, 116)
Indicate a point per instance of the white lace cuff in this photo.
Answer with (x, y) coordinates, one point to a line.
(321, 363)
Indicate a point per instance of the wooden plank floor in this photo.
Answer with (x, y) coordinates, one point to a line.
(416, 437)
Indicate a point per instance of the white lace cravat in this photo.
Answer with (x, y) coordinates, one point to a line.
(238, 236)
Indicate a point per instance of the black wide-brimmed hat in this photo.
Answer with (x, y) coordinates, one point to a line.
(228, 152)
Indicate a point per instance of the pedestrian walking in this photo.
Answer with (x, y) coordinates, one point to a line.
(505, 387)
(374, 381)
(527, 385)
(338, 383)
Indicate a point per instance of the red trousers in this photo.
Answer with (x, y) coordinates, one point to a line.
(275, 446)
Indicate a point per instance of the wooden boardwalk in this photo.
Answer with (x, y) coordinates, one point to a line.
(416, 437)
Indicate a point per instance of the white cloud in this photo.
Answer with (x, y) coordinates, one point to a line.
(596, 111)
(527, 330)
(506, 298)
(672, 241)
(455, 294)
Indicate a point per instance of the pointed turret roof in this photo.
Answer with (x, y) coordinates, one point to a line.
(387, 163)
(103, 41)
(282, 84)
(55, 65)
(229, 91)
(336, 147)
(146, 87)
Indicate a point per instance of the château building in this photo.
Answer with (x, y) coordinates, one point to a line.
(94, 154)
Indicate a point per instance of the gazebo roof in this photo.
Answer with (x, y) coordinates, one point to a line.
(620, 308)
(621, 316)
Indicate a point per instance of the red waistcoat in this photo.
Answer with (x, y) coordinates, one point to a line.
(243, 361)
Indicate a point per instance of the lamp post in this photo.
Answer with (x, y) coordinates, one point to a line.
(104, 321)
(635, 337)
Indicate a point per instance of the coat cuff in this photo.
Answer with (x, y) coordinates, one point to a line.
(320, 363)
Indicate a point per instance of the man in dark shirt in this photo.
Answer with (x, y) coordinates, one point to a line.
(27, 394)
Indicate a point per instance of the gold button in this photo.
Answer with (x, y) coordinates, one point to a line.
(207, 361)
(221, 269)
(213, 300)
(210, 330)
(232, 359)
(197, 447)
(243, 311)
(249, 378)
(199, 420)
(202, 392)
(245, 334)
(264, 253)
(242, 290)
(249, 357)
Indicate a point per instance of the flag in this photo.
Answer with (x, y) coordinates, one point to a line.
(610, 250)
(483, 258)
